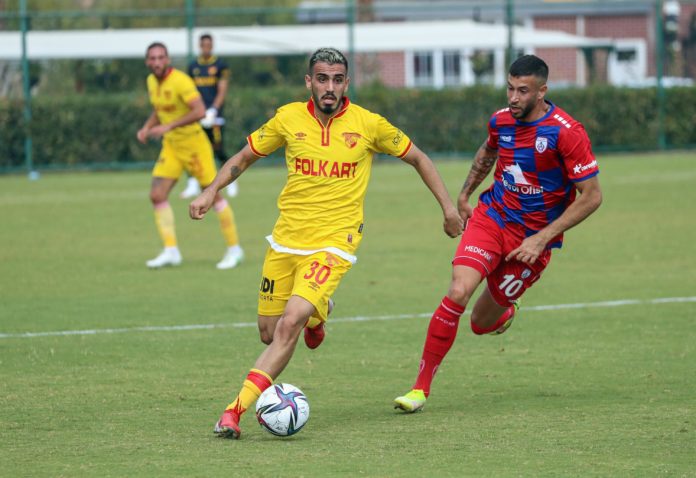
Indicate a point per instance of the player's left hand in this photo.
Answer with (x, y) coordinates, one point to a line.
(454, 224)
(529, 251)
(158, 131)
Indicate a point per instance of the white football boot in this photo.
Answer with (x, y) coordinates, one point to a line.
(233, 257)
(193, 189)
(170, 256)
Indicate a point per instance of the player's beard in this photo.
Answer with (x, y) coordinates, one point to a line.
(328, 109)
(523, 113)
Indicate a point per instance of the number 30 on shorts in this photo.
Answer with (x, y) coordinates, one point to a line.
(510, 286)
(319, 272)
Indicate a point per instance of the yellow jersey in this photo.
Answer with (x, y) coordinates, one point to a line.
(170, 97)
(321, 205)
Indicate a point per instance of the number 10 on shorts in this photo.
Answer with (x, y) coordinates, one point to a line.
(510, 286)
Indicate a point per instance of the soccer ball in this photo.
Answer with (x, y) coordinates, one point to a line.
(282, 409)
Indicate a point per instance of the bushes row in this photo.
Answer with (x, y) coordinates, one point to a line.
(98, 130)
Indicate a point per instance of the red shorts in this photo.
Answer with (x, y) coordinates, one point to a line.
(484, 246)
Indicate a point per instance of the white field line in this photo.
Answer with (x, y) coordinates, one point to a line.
(360, 318)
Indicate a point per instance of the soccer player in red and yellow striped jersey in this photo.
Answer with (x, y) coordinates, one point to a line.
(329, 145)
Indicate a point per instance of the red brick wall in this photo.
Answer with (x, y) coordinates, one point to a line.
(389, 68)
(562, 61)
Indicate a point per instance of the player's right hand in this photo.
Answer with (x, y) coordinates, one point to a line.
(142, 135)
(465, 209)
(202, 204)
(453, 223)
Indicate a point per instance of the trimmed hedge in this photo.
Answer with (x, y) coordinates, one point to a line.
(94, 130)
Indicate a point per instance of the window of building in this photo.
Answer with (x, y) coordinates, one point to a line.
(423, 68)
(452, 66)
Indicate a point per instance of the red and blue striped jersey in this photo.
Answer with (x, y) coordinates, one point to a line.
(538, 164)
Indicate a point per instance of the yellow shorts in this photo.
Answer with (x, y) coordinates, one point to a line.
(314, 278)
(194, 154)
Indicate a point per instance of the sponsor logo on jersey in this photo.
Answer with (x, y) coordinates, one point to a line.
(541, 144)
(166, 108)
(506, 139)
(351, 139)
(300, 136)
(350, 238)
(579, 168)
(520, 183)
(326, 169)
(481, 252)
(212, 70)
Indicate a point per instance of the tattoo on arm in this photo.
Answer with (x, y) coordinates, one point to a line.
(235, 172)
(483, 163)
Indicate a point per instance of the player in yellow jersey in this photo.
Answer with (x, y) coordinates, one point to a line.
(329, 144)
(177, 107)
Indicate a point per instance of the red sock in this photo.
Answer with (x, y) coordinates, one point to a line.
(478, 330)
(441, 334)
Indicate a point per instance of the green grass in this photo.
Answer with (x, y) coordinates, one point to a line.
(600, 391)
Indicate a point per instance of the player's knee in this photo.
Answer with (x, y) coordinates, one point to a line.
(460, 293)
(289, 328)
(157, 196)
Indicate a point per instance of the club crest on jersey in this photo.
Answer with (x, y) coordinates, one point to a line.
(167, 94)
(526, 273)
(541, 144)
(212, 70)
(351, 139)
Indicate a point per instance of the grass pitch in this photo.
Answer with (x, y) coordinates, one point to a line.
(586, 391)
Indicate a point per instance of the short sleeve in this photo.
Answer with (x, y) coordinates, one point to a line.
(492, 141)
(187, 89)
(267, 138)
(576, 152)
(390, 140)
(223, 71)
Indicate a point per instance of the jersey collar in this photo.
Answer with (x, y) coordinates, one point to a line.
(552, 107)
(209, 61)
(345, 102)
(166, 74)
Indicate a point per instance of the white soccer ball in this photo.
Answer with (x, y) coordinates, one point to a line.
(282, 409)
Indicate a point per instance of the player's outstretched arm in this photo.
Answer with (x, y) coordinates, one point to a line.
(453, 224)
(484, 160)
(588, 202)
(231, 170)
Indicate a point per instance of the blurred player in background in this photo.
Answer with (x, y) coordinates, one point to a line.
(177, 107)
(542, 157)
(329, 144)
(211, 76)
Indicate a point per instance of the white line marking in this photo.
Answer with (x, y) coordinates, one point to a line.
(359, 318)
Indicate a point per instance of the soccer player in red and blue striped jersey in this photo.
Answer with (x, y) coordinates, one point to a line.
(542, 158)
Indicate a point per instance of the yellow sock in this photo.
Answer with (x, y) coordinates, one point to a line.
(227, 224)
(255, 383)
(164, 219)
